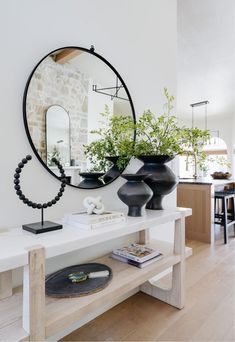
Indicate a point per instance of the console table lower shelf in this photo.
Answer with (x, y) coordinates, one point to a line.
(28, 315)
(61, 313)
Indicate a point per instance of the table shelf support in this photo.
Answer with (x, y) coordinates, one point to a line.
(174, 296)
(34, 294)
(5, 284)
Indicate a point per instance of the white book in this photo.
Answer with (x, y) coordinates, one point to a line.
(94, 218)
(93, 226)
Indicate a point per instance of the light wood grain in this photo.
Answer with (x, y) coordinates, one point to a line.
(61, 313)
(5, 284)
(34, 294)
(199, 198)
(40, 320)
(14, 242)
(66, 55)
(209, 313)
(176, 294)
(144, 237)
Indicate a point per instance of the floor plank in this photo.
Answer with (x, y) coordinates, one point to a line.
(209, 314)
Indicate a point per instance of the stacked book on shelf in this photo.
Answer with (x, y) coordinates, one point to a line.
(93, 221)
(137, 255)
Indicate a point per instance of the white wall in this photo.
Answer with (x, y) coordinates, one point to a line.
(137, 37)
(143, 53)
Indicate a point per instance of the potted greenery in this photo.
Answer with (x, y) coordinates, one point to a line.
(158, 140)
(194, 139)
(114, 144)
(54, 154)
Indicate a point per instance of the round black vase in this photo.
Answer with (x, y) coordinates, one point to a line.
(134, 193)
(91, 180)
(114, 171)
(159, 177)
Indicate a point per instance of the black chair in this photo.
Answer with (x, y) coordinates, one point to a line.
(225, 218)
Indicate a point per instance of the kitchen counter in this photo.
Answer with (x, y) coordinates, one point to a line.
(198, 194)
(209, 181)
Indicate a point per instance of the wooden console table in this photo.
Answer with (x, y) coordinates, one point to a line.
(28, 315)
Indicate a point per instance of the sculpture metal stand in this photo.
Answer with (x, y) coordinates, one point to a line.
(43, 226)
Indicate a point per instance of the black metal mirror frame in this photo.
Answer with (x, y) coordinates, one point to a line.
(92, 52)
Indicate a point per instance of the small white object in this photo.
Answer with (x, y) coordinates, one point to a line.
(100, 274)
(94, 205)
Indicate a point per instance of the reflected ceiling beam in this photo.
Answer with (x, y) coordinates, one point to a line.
(66, 55)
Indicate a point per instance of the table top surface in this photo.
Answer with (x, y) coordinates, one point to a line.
(14, 242)
(207, 181)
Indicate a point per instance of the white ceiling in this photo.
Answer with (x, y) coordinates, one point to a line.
(206, 56)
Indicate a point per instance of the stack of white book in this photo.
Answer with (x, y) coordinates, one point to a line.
(137, 255)
(93, 221)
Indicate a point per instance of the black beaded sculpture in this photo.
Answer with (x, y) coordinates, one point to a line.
(43, 226)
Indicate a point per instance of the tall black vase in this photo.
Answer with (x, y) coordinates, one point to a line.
(159, 177)
(134, 193)
(114, 171)
(91, 180)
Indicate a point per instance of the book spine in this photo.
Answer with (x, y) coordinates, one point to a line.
(93, 225)
(97, 219)
(125, 260)
(134, 258)
(126, 255)
(135, 263)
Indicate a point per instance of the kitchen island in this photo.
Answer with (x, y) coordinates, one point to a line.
(198, 194)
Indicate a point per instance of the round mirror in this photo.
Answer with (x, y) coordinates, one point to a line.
(74, 102)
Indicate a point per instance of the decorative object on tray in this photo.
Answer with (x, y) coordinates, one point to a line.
(43, 226)
(159, 140)
(134, 193)
(94, 205)
(61, 285)
(77, 277)
(137, 255)
(91, 180)
(221, 175)
(91, 222)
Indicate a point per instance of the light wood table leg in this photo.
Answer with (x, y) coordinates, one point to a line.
(174, 296)
(34, 294)
(144, 236)
(5, 284)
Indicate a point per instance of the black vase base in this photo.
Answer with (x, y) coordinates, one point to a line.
(135, 211)
(155, 203)
(39, 228)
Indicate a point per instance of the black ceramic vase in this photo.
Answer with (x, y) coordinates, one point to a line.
(159, 177)
(114, 171)
(91, 180)
(134, 193)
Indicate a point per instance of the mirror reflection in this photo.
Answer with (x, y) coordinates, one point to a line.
(65, 96)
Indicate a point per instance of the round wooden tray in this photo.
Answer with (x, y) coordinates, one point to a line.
(58, 285)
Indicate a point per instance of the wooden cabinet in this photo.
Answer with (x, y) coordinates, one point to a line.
(197, 197)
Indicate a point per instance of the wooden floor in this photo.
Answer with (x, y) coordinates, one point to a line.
(209, 314)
